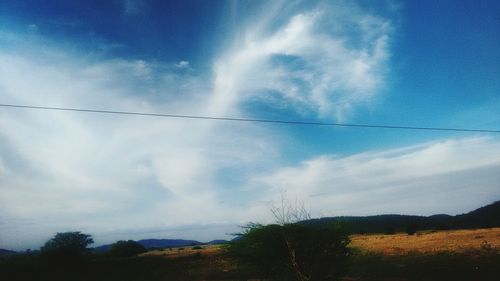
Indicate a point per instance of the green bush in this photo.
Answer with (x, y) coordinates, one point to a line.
(293, 251)
(128, 248)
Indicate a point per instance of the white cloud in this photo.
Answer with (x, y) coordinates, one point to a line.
(63, 170)
(326, 61)
(182, 64)
(437, 177)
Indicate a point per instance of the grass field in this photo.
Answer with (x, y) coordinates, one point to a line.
(429, 242)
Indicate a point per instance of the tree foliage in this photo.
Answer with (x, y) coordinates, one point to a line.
(67, 246)
(127, 248)
(293, 251)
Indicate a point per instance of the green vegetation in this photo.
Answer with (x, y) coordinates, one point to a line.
(67, 247)
(293, 251)
(128, 248)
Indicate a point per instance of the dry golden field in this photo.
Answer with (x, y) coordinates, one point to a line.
(206, 250)
(429, 242)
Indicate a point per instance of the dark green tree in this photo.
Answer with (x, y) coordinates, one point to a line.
(293, 251)
(67, 246)
(127, 248)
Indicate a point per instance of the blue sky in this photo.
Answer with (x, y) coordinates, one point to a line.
(414, 63)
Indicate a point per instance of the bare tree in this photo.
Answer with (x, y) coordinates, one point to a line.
(287, 212)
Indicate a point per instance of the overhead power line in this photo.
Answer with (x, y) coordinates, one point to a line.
(272, 121)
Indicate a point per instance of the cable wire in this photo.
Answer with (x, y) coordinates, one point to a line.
(272, 121)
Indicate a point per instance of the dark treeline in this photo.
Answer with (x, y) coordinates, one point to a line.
(484, 217)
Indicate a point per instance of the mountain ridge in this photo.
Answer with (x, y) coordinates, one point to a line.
(5, 252)
(484, 217)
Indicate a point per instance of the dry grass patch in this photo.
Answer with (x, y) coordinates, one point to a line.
(206, 250)
(430, 242)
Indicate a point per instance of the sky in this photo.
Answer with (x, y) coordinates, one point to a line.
(403, 63)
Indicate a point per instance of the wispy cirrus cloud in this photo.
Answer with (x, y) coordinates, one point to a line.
(324, 61)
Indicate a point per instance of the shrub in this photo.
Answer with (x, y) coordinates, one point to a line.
(127, 248)
(67, 247)
(293, 251)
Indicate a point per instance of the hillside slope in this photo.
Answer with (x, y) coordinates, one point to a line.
(484, 217)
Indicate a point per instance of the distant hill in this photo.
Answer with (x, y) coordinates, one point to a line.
(487, 216)
(217, 242)
(102, 249)
(4, 252)
(167, 243)
(484, 217)
(154, 243)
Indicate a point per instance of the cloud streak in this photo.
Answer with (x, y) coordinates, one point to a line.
(437, 177)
